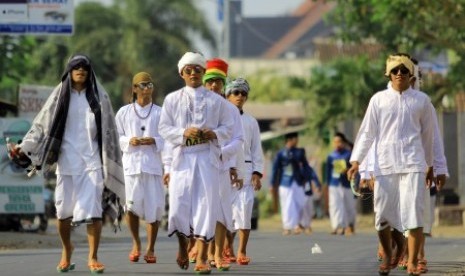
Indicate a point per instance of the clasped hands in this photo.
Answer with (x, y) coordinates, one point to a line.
(197, 133)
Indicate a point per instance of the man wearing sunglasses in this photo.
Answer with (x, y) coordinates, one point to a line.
(141, 145)
(232, 168)
(399, 123)
(237, 92)
(76, 131)
(195, 125)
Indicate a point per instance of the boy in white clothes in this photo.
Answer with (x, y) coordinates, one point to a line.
(237, 92)
(399, 123)
(192, 121)
(141, 146)
(233, 164)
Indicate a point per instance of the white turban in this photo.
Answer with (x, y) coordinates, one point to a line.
(394, 61)
(191, 58)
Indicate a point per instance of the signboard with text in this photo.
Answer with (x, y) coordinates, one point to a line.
(31, 98)
(37, 17)
(19, 194)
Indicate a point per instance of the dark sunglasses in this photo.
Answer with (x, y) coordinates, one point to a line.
(402, 70)
(144, 85)
(196, 69)
(83, 66)
(237, 93)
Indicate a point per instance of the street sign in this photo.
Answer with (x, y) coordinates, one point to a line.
(37, 17)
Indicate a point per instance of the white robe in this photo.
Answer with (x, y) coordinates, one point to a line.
(194, 170)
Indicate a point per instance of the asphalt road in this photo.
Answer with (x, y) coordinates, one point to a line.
(271, 253)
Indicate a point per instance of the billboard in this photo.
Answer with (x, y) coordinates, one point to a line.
(31, 98)
(37, 17)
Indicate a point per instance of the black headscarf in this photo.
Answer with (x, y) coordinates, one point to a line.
(59, 119)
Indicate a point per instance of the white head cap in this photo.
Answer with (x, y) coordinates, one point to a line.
(191, 58)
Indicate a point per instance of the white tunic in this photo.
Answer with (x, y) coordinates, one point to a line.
(253, 152)
(79, 148)
(400, 126)
(143, 158)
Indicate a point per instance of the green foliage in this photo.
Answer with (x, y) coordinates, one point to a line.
(408, 26)
(121, 40)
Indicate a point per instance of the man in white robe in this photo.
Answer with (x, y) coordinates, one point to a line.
(141, 146)
(192, 121)
(399, 121)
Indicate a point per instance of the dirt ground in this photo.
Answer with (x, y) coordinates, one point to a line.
(49, 239)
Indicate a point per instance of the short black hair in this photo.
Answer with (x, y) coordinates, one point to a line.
(291, 135)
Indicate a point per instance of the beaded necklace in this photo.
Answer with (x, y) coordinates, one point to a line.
(141, 117)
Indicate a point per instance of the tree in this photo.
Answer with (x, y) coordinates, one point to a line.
(406, 26)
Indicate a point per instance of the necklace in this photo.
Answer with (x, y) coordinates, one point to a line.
(141, 117)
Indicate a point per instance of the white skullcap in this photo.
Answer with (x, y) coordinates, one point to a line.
(191, 58)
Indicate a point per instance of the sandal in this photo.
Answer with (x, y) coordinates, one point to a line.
(182, 263)
(134, 257)
(228, 256)
(421, 267)
(223, 266)
(402, 264)
(150, 259)
(193, 257)
(384, 269)
(243, 260)
(65, 267)
(202, 269)
(413, 272)
(96, 268)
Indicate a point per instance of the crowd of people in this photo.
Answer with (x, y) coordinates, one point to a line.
(203, 146)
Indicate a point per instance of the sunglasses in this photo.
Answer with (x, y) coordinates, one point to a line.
(237, 93)
(144, 85)
(402, 70)
(79, 66)
(196, 69)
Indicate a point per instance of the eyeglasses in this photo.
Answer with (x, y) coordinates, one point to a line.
(144, 85)
(214, 80)
(196, 69)
(81, 66)
(402, 70)
(237, 93)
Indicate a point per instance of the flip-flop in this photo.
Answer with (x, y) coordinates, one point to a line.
(202, 269)
(96, 268)
(243, 260)
(134, 257)
(150, 259)
(182, 263)
(384, 269)
(422, 266)
(193, 257)
(223, 266)
(65, 267)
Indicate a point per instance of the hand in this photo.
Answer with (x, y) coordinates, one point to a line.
(440, 181)
(147, 141)
(238, 183)
(166, 179)
(371, 183)
(193, 132)
(134, 141)
(256, 182)
(429, 177)
(232, 174)
(208, 134)
(353, 170)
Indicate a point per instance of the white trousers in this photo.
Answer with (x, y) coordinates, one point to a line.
(193, 194)
(399, 201)
(242, 206)
(292, 200)
(342, 212)
(307, 212)
(145, 196)
(79, 196)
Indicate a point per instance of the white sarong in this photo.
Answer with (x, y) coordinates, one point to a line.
(145, 196)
